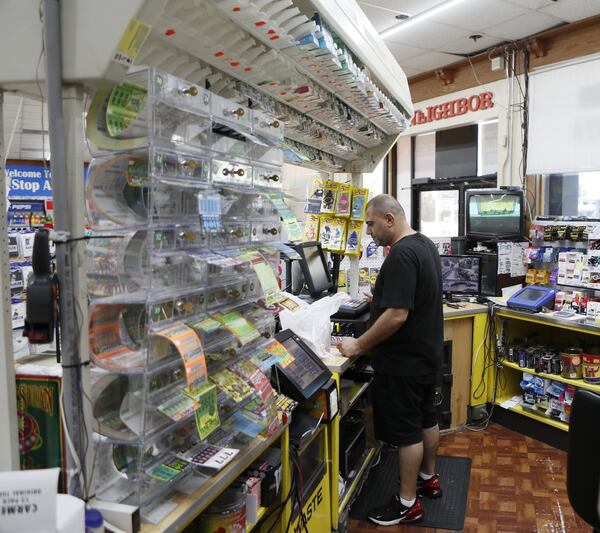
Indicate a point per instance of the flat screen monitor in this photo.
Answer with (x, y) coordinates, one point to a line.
(314, 268)
(494, 214)
(461, 274)
(456, 152)
(303, 374)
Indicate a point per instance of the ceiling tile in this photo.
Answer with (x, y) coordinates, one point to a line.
(411, 71)
(523, 26)
(411, 7)
(468, 46)
(572, 10)
(381, 19)
(529, 4)
(402, 52)
(427, 34)
(429, 61)
(475, 15)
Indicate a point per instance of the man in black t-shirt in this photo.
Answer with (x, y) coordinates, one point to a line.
(405, 339)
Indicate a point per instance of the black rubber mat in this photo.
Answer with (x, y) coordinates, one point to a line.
(447, 512)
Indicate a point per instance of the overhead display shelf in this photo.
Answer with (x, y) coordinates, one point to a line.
(296, 63)
(318, 65)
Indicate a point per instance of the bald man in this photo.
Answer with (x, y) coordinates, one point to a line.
(406, 339)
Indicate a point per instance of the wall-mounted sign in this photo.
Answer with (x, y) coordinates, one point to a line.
(453, 108)
(28, 182)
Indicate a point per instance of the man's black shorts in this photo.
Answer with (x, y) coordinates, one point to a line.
(403, 407)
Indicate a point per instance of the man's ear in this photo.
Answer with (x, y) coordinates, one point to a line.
(389, 218)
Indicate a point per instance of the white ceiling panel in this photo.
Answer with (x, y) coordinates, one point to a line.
(381, 19)
(468, 46)
(529, 4)
(403, 52)
(430, 61)
(411, 71)
(474, 15)
(445, 35)
(573, 10)
(427, 34)
(411, 7)
(533, 22)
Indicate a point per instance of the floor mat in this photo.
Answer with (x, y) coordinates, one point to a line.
(447, 512)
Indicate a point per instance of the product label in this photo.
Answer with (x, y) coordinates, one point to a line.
(131, 42)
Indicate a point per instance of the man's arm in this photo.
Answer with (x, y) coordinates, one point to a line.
(390, 321)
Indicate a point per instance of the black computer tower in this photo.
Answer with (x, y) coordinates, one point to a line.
(444, 388)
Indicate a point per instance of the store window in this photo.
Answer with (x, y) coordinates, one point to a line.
(424, 155)
(487, 148)
(576, 194)
(439, 213)
(463, 157)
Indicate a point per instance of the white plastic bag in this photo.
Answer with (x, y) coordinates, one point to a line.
(312, 324)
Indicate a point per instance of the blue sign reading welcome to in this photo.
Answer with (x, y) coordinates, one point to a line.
(28, 182)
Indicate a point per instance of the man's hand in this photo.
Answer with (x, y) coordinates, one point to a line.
(368, 296)
(350, 347)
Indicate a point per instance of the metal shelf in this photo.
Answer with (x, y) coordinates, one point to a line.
(351, 489)
(357, 391)
(579, 383)
(540, 418)
(540, 318)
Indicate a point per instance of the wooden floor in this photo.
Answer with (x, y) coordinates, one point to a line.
(517, 485)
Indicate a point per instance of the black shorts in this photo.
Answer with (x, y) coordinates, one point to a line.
(403, 407)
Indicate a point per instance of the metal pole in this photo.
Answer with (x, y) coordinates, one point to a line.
(9, 435)
(67, 187)
(353, 271)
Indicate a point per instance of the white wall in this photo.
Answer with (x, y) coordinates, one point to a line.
(403, 175)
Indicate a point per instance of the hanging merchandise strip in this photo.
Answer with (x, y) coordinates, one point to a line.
(243, 330)
(207, 414)
(289, 219)
(266, 278)
(190, 235)
(190, 350)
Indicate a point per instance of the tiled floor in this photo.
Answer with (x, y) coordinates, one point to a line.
(517, 485)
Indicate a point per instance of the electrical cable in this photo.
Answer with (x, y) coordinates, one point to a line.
(281, 505)
(300, 494)
(481, 84)
(491, 348)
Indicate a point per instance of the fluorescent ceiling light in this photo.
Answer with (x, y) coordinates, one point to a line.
(417, 18)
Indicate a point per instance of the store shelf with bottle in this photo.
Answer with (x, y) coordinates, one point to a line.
(542, 362)
(179, 201)
(24, 216)
(567, 253)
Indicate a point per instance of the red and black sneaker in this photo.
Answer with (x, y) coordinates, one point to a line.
(430, 488)
(395, 513)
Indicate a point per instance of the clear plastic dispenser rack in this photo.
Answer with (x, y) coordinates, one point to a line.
(179, 213)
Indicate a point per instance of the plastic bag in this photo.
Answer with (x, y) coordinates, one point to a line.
(312, 324)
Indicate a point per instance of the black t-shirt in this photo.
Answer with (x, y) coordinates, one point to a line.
(410, 278)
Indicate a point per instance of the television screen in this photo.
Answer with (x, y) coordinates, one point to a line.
(461, 274)
(494, 213)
